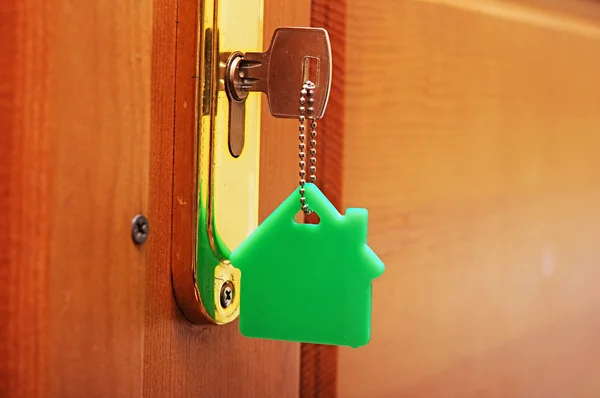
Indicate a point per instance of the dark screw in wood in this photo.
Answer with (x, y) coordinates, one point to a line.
(140, 229)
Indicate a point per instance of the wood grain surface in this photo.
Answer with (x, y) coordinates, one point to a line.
(182, 359)
(74, 110)
(25, 175)
(473, 137)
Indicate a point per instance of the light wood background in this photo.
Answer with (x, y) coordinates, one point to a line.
(473, 136)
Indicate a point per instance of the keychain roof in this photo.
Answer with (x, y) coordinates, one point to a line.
(308, 282)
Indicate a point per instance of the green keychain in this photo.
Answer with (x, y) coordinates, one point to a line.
(308, 282)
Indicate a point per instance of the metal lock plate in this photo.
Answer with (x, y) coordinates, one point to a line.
(216, 206)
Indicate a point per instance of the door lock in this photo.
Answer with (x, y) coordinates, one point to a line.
(215, 187)
(294, 56)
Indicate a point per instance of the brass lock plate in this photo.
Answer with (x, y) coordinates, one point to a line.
(216, 207)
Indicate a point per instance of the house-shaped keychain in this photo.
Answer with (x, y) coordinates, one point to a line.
(308, 282)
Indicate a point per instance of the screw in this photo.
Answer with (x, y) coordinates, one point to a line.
(140, 229)
(227, 294)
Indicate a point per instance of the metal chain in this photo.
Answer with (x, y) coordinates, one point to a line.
(306, 95)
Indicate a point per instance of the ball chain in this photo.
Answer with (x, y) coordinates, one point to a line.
(307, 98)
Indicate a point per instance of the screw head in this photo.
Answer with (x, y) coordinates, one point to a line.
(140, 228)
(227, 292)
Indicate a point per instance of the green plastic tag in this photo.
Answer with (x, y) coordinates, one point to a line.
(308, 282)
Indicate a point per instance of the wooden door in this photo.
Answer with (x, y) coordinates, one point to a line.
(471, 132)
(90, 97)
(75, 117)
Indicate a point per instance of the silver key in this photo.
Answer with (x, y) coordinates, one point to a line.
(294, 56)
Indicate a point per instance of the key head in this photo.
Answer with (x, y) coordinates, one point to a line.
(294, 56)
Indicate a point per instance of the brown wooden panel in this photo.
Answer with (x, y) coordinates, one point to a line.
(182, 359)
(473, 140)
(74, 94)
